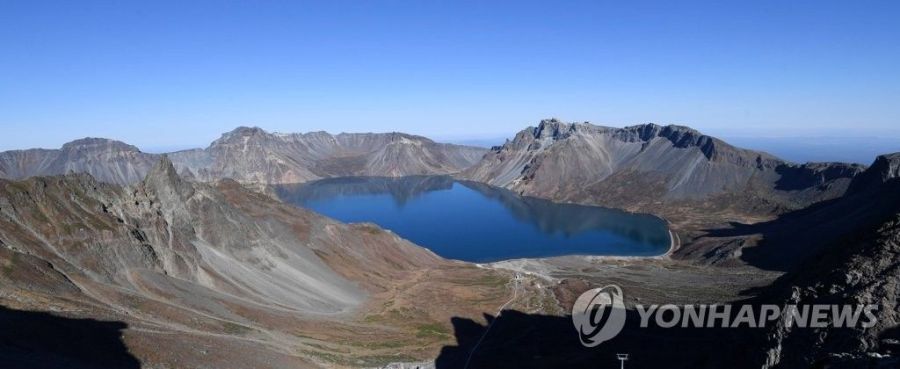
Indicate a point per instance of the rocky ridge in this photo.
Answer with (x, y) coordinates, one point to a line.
(252, 155)
(642, 167)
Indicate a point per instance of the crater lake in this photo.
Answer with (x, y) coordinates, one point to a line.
(478, 223)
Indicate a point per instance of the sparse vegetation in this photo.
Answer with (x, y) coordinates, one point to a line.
(432, 330)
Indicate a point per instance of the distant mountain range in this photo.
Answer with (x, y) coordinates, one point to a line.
(670, 171)
(252, 155)
(635, 167)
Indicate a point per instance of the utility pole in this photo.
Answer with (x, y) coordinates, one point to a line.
(622, 358)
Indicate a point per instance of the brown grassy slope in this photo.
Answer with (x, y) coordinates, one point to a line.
(297, 290)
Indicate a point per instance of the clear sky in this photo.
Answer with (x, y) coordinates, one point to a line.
(169, 74)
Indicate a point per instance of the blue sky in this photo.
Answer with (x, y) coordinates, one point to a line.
(171, 74)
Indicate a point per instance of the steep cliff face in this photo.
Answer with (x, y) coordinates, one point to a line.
(639, 166)
(107, 160)
(860, 266)
(252, 155)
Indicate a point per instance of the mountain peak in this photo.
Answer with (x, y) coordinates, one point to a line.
(94, 143)
(552, 128)
(241, 135)
(164, 180)
(247, 131)
(162, 167)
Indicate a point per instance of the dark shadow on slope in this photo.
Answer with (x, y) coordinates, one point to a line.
(796, 236)
(522, 341)
(37, 340)
(794, 177)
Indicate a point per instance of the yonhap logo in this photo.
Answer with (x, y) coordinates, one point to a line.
(599, 315)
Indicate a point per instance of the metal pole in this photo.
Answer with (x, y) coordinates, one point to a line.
(622, 358)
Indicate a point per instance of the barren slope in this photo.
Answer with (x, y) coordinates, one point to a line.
(220, 276)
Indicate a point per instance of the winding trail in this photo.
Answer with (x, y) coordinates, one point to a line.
(496, 318)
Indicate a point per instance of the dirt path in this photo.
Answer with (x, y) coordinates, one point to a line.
(496, 317)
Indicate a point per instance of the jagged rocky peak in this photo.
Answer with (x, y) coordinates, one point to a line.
(164, 179)
(94, 144)
(163, 168)
(553, 128)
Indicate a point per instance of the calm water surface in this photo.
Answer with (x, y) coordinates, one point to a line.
(478, 223)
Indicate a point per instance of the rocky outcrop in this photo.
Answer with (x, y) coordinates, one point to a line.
(252, 155)
(642, 166)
